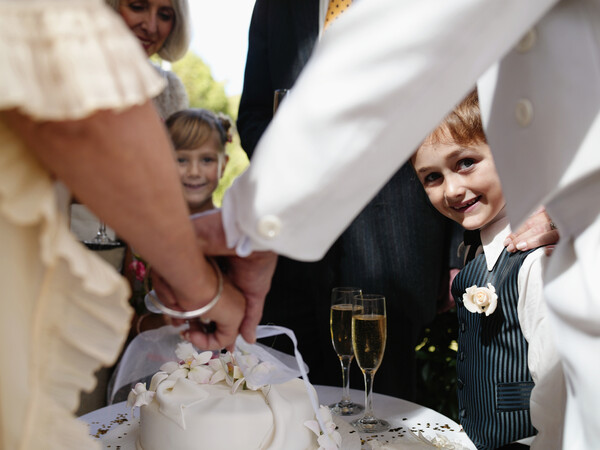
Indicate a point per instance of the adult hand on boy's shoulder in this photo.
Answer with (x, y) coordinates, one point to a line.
(537, 231)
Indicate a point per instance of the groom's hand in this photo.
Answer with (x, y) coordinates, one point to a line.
(251, 275)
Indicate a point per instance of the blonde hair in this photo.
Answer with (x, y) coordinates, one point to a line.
(190, 128)
(177, 43)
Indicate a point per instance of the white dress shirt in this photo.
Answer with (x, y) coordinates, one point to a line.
(548, 397)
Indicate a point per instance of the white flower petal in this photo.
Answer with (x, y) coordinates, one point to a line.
(325, 414)
(493, 305)
(468, 302)
(203, 357)
(139, 388)
(158, 378)
(215, 364)
(327, 443)
(313, 426)
(170, 367)
(237, 385)
(237, 373)
(139, 396)
(217, 377)
(200, 374)
(185, 350)
(179, 373)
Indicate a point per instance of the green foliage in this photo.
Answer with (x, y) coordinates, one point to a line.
(436, 365)
(204, 92)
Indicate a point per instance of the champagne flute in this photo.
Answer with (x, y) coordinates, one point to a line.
(340, 324)
(369, 332)
(102, 240)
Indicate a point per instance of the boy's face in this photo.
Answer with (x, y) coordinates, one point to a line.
(199, 173)
(461, 181)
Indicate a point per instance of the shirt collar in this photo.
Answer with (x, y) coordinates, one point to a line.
(492, 238)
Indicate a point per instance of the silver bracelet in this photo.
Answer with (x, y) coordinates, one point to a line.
(190, 314)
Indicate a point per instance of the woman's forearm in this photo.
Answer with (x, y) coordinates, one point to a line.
(121, 167)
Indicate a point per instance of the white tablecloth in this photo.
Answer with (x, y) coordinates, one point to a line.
(404, 417)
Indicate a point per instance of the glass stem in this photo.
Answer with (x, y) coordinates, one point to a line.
(345, 362)
(369, 374)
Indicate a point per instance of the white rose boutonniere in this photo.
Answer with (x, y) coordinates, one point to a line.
(481, 299)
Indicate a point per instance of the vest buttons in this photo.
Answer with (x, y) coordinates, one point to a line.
(463, 327)
(462, 413)
(269, 227)
(459, 383)
(461, 356)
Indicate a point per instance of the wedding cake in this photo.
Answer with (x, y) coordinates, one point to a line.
(223, 403)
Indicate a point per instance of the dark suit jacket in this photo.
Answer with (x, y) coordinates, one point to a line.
(282, 36)
(281, 39)
(398, 246)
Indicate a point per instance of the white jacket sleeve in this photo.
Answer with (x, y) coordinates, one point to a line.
(378, 83)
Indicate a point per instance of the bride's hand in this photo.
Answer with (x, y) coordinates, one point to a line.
(224, 318)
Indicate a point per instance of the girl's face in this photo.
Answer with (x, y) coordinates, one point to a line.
(200, 171)
(461, 181)
(150, 20)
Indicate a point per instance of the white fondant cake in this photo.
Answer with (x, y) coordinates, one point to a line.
(215, 418)
(202, 402)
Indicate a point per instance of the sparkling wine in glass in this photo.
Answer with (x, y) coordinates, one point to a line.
(102, 240)
(340, 324)
(369, 333)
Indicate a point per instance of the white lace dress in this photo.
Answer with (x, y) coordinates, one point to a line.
(64, 311)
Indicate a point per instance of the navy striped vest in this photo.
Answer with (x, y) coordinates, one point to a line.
(493, 380)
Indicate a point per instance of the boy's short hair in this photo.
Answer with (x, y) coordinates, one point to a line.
(463, 123)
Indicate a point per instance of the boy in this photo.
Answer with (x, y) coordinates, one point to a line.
(505, 345)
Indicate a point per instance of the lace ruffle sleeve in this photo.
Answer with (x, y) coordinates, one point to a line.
(64, 59)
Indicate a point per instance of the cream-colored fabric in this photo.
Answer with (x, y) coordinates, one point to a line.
(63, 59)
(64, 310)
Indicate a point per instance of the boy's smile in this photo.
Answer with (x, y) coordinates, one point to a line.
(460, 181)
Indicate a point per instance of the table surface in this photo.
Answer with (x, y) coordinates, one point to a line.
(404, 417)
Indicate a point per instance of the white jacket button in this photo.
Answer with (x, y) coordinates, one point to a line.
(524, 112)
(269, 227)
(527, 42)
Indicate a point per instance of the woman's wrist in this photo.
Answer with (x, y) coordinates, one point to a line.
(207, 306)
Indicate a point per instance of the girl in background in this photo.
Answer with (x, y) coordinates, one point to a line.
(199, 137)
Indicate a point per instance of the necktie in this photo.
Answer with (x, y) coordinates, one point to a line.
(472, 240)
(335, 8)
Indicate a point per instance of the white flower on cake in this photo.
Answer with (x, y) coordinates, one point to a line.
(256, 373)
(480, 299)
(204, 368)
(139, 396)
(335, 439)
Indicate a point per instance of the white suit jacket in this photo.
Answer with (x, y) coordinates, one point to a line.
(383, 78)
